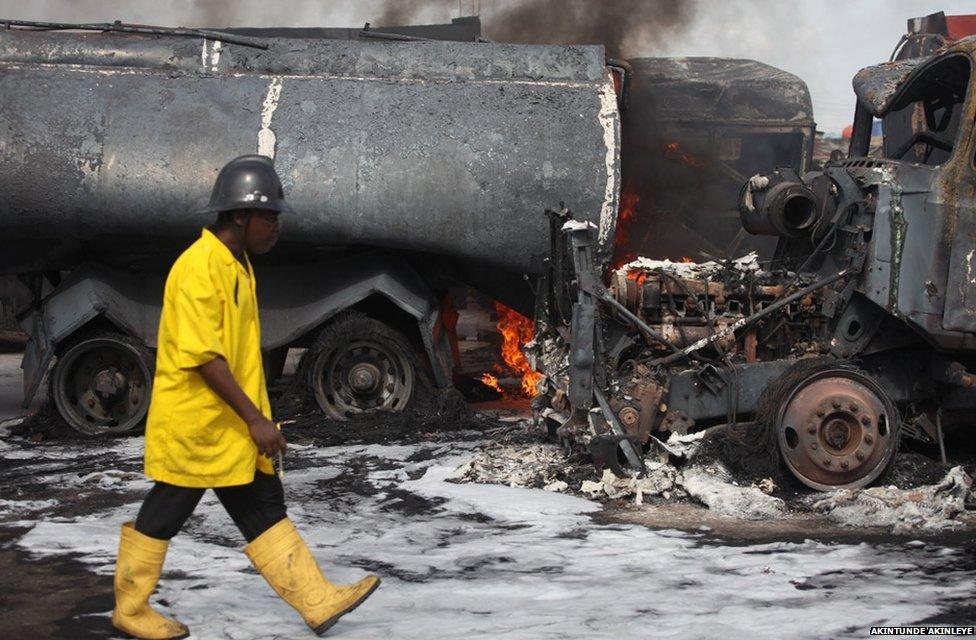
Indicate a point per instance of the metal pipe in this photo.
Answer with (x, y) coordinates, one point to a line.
(630, 452)
(643, 326)
(626, 77)
(701, 307)
(861, 132)
(732, 328)
(938, 433)
(385, 35)
(120, 27)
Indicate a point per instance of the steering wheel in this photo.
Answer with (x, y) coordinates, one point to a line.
(933, 141)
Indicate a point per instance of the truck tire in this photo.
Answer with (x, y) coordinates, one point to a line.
(102, 383)
(833, 425)
(359, 366)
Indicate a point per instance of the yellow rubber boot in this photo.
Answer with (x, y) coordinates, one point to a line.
(280, 555)
(137, 571)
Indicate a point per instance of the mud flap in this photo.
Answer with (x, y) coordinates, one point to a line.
(37, 356)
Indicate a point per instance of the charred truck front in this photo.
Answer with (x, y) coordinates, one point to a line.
(859, 332)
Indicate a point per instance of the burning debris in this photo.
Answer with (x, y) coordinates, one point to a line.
(516, 331)
(491, 382)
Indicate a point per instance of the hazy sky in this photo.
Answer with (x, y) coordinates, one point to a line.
(824, 42)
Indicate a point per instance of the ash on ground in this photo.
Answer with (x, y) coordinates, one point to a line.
(517, 457)
(708, 468)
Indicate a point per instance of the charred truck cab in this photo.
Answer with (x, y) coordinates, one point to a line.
(859, 332)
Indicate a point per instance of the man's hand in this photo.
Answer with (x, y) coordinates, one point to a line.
(266, 436)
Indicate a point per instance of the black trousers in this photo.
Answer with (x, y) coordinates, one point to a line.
(253, 507)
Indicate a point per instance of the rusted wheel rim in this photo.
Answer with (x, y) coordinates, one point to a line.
(102, 385)
(363, 377)
(837, 430)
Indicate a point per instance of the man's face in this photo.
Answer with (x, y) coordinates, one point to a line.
(261, 232)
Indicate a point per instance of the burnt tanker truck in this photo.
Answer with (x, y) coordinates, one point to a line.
(414, 165)
(858, 332)
(411, 165)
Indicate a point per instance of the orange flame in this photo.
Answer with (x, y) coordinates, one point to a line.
(516, 331)
(637, 275)
(687, 260)
(626, 218)
(629, 200)
(673, 151)
(491, 382)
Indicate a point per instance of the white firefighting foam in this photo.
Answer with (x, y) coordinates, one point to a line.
(474, 560)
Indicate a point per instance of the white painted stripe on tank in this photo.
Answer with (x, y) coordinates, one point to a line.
(215, 55)
(610, 120)
(266, 136)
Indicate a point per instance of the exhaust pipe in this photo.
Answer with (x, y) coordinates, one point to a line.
(778, 205)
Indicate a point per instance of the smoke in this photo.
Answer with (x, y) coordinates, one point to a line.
(405, 12)
(624, 27)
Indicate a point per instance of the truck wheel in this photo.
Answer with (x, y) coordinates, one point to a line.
(360, 366)
(102, 384)
(835, 427)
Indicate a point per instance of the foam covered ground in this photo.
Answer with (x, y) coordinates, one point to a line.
(471, 560)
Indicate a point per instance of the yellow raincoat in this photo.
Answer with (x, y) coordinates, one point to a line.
(193, 438)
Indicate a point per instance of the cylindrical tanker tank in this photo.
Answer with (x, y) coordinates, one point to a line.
(412, 166)
(109, 142)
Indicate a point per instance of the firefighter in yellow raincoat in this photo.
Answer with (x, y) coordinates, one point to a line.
(209, 424)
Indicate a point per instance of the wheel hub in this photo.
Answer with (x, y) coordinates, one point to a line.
(364, 377)
(102, 385)
(109, 385)
(837, 434)
(361, 377)
(834, 431)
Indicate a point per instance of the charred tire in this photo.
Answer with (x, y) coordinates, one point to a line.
(359, 366)
(833, 425)
(102, 384)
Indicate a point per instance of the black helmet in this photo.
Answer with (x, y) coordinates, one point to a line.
(248, 182)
